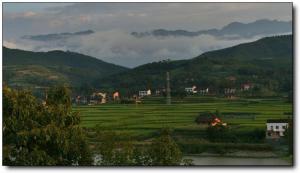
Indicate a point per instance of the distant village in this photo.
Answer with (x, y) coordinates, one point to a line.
(96, 98)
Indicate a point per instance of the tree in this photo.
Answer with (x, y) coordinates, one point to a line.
(179, 93)
(205, 118)
(290, 97)
(114, 151)
(289, 136)
(59, 96)
(37, 134)
(164, 151)
(219, 133)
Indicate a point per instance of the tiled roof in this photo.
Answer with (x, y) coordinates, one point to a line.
(277, 121)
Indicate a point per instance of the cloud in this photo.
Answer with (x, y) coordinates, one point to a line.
(24, 15)
(9, 44)
(148, 16)
(120, 47)
(113, 23)
(29, 14)
(13, 44)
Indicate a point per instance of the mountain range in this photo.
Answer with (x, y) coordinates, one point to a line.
(267, 62)
(233, 30)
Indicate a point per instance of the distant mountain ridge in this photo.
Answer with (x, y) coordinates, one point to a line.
(57, 36)
(230, 31)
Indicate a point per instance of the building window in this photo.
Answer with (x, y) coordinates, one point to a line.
(283, 127)
(277, 127)
(271, 127)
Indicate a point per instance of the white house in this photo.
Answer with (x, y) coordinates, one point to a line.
(144, 93)
(191, 90)
(276, 128)
(148, 92)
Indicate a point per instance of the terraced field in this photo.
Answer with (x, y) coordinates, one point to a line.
(145, 119)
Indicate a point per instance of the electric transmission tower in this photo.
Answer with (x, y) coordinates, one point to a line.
(168, 89)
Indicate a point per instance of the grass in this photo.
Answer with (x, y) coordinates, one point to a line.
(145, 119)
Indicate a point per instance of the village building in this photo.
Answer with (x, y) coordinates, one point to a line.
(160, 91)
(229, 91)
(93, 102)
(144, 93)
(204, 91)
(246, 86)
(116, 95)
(98, 98)
(81, 100)
(191, 90)
(210, 119)
(276, 128)
(136, 99)
(148, 92)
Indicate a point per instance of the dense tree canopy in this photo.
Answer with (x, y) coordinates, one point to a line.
(37, 134)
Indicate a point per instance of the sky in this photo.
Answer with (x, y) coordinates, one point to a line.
(112, 24)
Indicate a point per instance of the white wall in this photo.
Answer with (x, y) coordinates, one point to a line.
(280, 129)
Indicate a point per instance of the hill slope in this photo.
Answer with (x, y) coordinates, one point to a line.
(38, 69)
(266, 62)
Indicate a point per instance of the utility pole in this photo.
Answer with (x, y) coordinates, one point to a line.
(168, 89)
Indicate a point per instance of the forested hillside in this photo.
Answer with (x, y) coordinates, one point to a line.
(267, 63)
(38, 69)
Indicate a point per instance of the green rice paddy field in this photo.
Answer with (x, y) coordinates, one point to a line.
(147, 118)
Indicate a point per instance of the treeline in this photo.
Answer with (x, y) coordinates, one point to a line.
(161, 151)
(220, 133)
